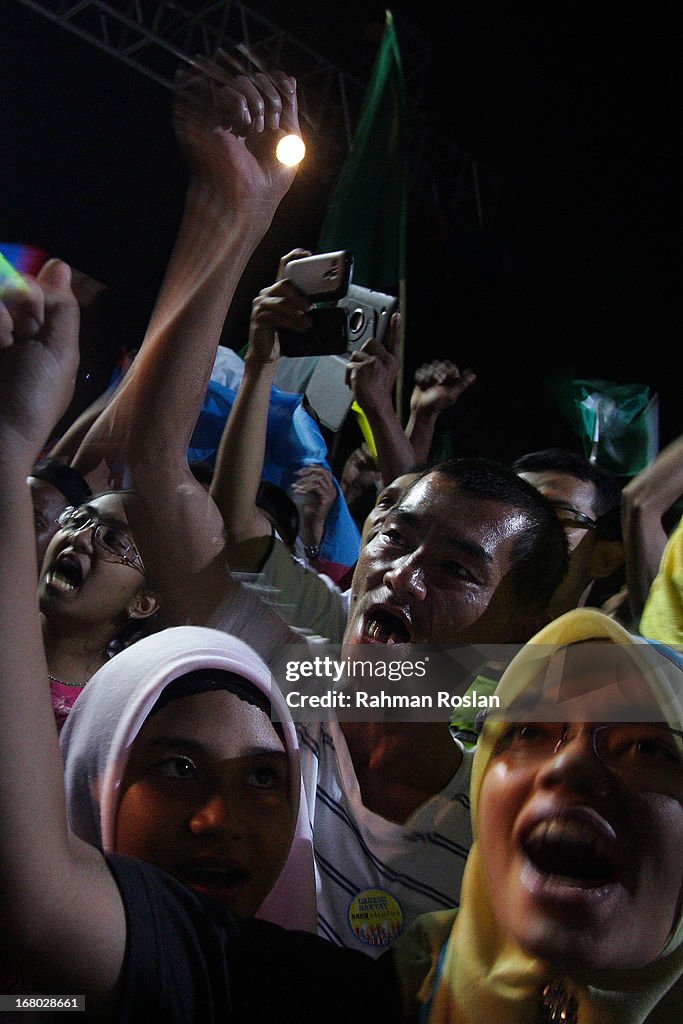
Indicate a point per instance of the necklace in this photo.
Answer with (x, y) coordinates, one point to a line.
(64, 682)
(558, 1005)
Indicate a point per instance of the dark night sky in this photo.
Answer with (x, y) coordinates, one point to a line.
(570, 113)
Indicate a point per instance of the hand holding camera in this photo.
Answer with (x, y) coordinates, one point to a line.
(372, 370)
(345, 315)
(344, 319)
(322, 279)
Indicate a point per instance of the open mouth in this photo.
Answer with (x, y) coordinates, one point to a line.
(574, 851)
(66, 574)
(211, 879)
(384, 627)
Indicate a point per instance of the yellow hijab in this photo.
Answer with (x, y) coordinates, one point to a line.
(474, 974)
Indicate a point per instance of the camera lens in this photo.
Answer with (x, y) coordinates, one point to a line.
(356, 321)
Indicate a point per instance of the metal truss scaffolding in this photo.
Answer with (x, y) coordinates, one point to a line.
(157, 36)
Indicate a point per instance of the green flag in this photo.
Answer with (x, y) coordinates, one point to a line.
(368, 211)
(618, 424)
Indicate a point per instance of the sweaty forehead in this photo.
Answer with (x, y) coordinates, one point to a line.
(436, 496)
(432, 489)
(439, 511)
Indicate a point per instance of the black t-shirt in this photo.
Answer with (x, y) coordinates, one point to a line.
(191, 960)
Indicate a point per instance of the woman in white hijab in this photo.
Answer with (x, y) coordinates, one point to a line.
(571, 907)
(118, 718)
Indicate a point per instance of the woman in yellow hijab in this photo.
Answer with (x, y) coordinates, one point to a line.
(571, 902)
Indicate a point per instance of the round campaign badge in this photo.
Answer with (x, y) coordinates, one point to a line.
(375, 917)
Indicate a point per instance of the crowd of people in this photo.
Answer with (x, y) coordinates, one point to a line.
(176, 846)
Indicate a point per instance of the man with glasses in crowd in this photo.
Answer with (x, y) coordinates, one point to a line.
(587, 500)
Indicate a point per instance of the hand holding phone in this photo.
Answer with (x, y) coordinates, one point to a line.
(324, 278)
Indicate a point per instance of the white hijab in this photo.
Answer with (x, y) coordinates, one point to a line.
(100, 730)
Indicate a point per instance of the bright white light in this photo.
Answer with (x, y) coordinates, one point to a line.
(290, 150)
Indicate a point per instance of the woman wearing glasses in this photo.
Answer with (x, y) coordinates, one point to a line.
(93, 595)
(571, 906)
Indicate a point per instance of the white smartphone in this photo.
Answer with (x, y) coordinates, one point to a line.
(323, 278)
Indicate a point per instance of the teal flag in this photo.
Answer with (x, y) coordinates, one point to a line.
(618, 424)
(368, 211)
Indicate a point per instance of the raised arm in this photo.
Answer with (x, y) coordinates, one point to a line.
(438, 386)
(228, 131)
(49, 881)
(291, 593)
(644, 501)
(239, 464)
(66, 446)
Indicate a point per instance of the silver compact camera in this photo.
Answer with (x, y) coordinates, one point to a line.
(345, 316)
(368, 314)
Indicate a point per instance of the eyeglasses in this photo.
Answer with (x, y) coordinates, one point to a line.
(644, 753)
(114, 544)
(570, 516)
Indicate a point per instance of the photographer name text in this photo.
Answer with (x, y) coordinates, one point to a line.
(394, 701)
(345, 677)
